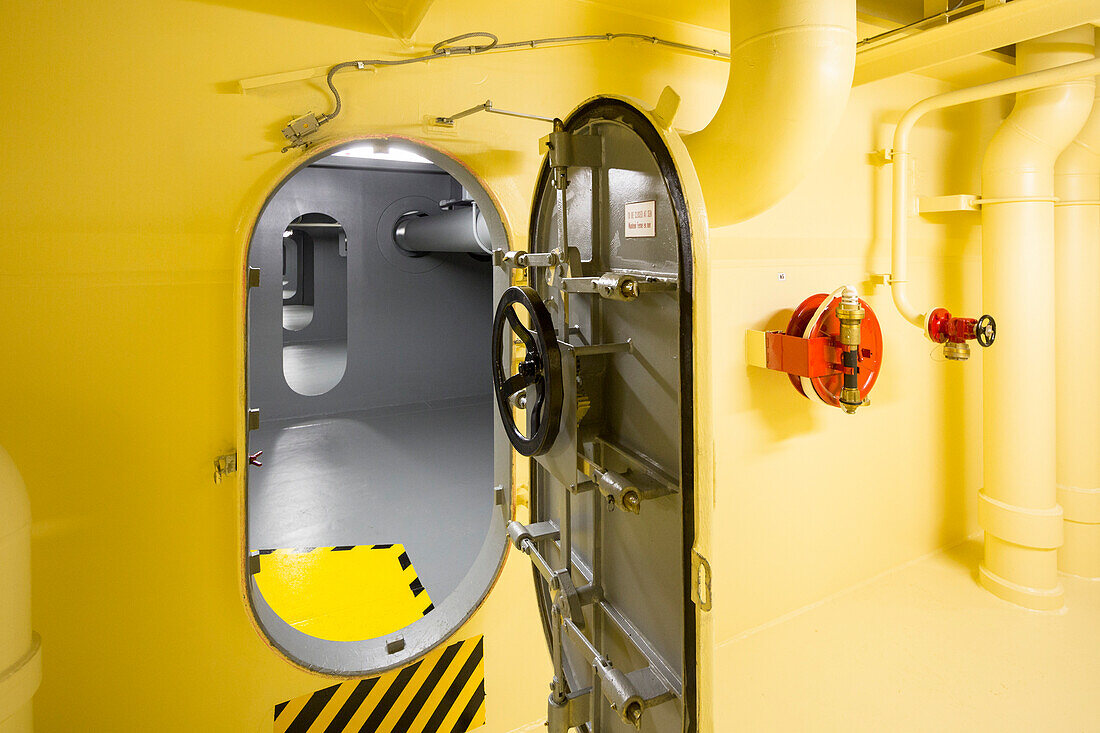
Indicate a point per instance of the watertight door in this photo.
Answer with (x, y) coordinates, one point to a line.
(599, 397)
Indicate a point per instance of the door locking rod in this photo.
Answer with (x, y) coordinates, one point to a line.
(487, 106)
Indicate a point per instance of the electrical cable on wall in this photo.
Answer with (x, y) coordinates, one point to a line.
(298, 130)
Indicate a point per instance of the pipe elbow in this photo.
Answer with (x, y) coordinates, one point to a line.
(907, 310)
(1077, 171)
(791, 70)
(1021, 157)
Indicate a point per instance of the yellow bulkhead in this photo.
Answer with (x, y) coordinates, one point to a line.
(135, 168)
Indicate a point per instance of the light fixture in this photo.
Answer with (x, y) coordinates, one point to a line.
(368, 151)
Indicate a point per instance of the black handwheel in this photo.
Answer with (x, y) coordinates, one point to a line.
(540, 368)
(986, 331)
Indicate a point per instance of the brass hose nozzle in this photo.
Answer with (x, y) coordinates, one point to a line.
(850, 313)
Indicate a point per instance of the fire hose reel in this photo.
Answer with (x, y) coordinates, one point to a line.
(831, 349)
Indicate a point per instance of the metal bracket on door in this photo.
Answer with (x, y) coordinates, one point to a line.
(622, 286)
(700, 581)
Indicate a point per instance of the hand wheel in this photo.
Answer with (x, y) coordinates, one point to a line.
(540, 369)
(986, 331)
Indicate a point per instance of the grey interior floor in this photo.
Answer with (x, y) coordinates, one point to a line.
(296, 317)
(315, 368)
(419, 475)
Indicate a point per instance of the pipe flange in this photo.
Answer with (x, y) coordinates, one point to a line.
(19, 682)
(400, 258)
(956, 350)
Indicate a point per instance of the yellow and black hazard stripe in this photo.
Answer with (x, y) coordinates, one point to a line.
(442, 693)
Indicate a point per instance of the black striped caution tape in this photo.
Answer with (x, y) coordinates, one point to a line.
(416, 587)
(442, 693)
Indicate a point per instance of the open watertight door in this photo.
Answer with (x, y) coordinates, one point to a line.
(599, 398)
(379, 477)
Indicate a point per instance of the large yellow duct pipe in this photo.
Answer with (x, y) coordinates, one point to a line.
(20, 662)
(791, 66)
(1077, 267)
(1018, 508)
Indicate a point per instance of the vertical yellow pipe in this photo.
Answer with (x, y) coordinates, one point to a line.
(1018, 507)
(20, 669)
(1077, 269)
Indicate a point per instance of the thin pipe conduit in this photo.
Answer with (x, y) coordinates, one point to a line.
(451, 48)
(901, 157)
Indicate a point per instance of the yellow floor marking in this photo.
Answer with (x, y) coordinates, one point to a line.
(343, 594)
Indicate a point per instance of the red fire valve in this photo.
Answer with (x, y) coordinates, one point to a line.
(954, 333)
(831, 350)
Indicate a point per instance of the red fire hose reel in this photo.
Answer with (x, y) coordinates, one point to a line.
(831, 350)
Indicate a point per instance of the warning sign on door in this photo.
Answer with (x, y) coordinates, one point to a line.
(641, 219)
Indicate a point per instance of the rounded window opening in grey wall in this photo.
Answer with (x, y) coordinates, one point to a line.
(290, 267)
(376, 522)
(315, 311)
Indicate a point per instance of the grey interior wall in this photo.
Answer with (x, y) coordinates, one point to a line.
(415, 333)
(290, 260)
(330, 294)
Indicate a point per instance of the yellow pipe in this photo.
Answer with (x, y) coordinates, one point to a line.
(791, 65)
(1077, 264)
(1018, 508)
(20, 663)
(903, 200)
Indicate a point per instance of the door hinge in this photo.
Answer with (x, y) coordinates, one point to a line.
(253, 277)
(701, 580)
(224, 465)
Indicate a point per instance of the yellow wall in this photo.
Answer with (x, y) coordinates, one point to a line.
(133, 171)
(810, 501)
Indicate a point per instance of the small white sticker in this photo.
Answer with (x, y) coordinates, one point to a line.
(641, 219)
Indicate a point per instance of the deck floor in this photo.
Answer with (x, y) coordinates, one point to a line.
(922, 648)
(315, 368)
(420, 475)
